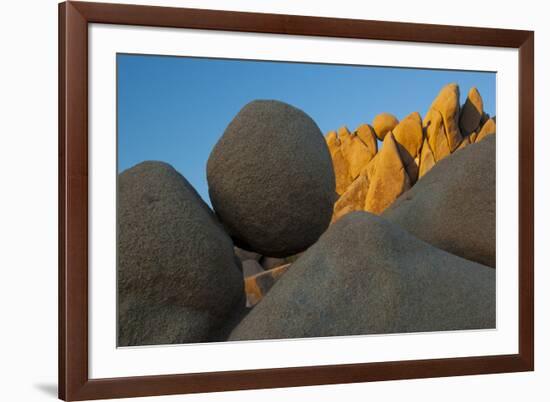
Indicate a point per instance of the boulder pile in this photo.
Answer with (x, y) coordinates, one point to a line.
(371, 180)
(386, 229)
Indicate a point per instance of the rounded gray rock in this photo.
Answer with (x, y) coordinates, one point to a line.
(178, 281)
(271, 180)
(366, 275)
(453, 206)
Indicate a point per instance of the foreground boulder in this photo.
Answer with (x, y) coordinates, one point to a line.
(453, 206)
(366, 275)
(178, 280)
(271, 179)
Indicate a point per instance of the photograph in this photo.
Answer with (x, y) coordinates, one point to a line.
(275, 201)
(265, 200)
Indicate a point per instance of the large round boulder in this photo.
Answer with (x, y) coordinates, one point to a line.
(178, 280)
(271, 180)
(366, 275)
(453, 206)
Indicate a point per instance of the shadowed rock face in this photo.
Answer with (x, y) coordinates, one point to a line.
(453, 206)
(471, 112)
(488, 128)
(271, 179)
(178, 279)
(409, 138)
(368, 276)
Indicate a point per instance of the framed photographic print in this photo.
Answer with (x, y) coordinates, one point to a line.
(260, 200)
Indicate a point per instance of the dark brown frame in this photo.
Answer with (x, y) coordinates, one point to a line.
(74, 18)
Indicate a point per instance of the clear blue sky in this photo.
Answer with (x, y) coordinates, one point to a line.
(174, 109)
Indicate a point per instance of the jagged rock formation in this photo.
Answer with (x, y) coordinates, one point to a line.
(270, 179)
(350, 152)
(368, 179)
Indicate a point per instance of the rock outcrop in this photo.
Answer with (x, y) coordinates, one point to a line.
(350, 153)
(178, 280)
(271, 179)
(366, 275)
(372, 181)
(453, 207)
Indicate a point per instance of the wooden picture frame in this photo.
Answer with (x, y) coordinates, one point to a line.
(74, 381)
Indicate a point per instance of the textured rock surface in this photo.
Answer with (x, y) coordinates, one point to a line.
(389, 179)
(178, 280)
(339, 162)
(350, 153)
(434, 128)
(366, 133)
(490, 127)
(271, 179)
(471, 112)
(447, 104)
(353, 199)
(355, 151)
(368, 276)
(427, 160)
(453, 206)
(383, 123)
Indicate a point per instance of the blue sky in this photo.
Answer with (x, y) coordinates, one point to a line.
(174, 109)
